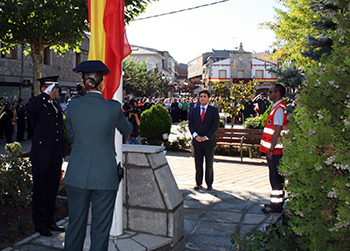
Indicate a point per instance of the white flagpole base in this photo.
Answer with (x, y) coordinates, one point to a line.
(117, 223)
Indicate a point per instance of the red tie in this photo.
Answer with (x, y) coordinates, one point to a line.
(203, 113)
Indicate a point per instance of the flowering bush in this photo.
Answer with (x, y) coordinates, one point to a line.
(317, 151)
(13, 148)
(15, 177)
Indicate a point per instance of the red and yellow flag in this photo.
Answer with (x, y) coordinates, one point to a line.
(108, 41)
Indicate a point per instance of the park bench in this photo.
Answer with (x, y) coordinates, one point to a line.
(239, 137)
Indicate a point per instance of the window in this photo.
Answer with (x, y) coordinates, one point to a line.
(259, 73)
(47, 56)
(77, 58)
(12, 54)
(222, 73)
(240, 74)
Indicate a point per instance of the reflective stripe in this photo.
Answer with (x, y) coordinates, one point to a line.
(268, 145)
(268, 130)
(265, 144)
(277, 192)
(276, 200)
(279, 145)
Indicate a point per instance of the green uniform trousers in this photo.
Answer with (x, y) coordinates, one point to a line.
(102, 206)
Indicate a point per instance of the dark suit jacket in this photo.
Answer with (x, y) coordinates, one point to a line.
(208, 127)
(47, 141)
(91, 122)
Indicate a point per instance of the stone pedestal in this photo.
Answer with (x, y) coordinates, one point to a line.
(152, 201)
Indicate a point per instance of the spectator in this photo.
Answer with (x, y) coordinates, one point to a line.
(133, 115)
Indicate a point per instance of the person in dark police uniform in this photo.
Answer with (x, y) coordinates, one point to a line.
(46, 155)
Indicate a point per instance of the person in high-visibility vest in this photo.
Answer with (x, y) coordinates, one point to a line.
(271, 144)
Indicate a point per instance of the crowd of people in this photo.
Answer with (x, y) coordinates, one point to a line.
(180, 108)
(14, 119)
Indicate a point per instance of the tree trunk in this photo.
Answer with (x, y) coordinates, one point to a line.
(37, 57)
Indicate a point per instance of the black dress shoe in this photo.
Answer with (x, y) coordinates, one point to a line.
(209, 188)
(54, 227)
(197, 187)
(44, 232)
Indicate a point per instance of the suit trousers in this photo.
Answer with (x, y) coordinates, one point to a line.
(102, 206)
(46, 179)
(202, 150)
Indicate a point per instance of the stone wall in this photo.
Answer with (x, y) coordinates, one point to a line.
(152, 201)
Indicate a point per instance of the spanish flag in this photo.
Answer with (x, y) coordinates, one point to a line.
(108, 41)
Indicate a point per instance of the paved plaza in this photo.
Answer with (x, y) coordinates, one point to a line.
(239, 192)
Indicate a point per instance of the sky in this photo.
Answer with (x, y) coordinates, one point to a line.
(188, 34)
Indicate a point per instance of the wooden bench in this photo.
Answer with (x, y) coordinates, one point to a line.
(239, 137)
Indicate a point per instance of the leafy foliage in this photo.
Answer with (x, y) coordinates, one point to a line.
(43, 24)
(139, 81)
(154, 122)
(233, 96)
(276, 236)
(15, 178)
(291, 27)
(54, 24)
(288, 75)
(253, 123)
(134, 8)
(316, 159)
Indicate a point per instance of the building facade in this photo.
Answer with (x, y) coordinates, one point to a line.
(17, 71)
(232, 66)
(162, 61)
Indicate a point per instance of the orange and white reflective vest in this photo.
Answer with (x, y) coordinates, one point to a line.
(269, 129)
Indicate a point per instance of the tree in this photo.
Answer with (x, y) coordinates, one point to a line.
(316, 154)
(288, 75)
(42, 24)
(55, 24)
(139, 81)
(134, 8)
(232, 97)
(291, 27)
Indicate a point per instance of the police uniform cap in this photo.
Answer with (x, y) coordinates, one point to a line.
(48, 80)
(92, 66)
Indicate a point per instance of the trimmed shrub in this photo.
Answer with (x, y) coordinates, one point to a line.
(154, 122)
(253, 123)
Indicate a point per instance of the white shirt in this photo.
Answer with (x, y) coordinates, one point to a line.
(279, 115)
(200, 113)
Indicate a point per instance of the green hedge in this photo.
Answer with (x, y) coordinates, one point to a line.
(154, 122)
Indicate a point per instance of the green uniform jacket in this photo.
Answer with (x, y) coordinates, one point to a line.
(91, 122)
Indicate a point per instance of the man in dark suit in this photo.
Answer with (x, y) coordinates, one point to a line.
(204, 122)
(46, 155)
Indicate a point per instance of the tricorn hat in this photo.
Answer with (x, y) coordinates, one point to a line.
(92, 66)
(48, 80)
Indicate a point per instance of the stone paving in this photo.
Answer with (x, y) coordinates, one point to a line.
(239, 191)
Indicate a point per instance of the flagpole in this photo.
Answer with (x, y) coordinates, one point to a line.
(117, 223)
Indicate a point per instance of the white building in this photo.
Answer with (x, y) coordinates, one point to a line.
(217, 72)
(162, 61)
(261, 63)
